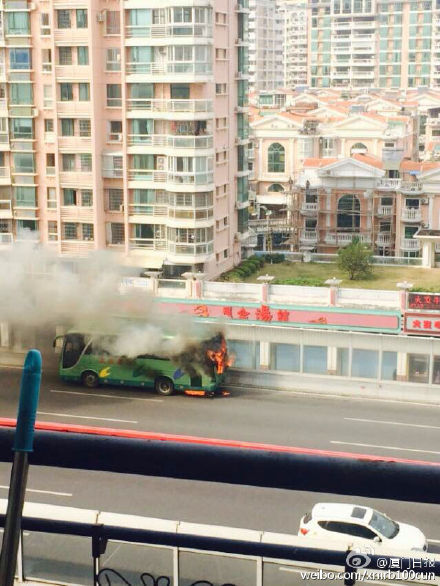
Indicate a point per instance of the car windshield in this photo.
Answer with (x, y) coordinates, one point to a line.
(383, 525)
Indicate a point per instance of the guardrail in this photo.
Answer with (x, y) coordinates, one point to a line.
(232, 462)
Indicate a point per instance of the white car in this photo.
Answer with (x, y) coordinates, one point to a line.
(358, 525)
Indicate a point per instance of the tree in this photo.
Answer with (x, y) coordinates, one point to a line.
(355, 259)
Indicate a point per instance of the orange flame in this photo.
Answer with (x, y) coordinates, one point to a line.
(220, 357)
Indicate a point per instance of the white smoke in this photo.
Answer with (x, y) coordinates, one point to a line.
(39, 290)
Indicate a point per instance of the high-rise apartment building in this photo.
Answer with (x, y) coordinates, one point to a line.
(266, 69)
(294, 14)
(374, 43)
(124, 127)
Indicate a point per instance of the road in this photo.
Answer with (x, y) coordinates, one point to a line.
(293, 419)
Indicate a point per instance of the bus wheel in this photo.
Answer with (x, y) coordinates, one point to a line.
(164, 386)
(89, 379)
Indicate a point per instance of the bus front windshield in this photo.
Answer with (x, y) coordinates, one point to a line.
(73, 347)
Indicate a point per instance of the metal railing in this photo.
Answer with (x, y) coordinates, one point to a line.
(160, 31)
(343, 238)
(202, 68)
(172, 141)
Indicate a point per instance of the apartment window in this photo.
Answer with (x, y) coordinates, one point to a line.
(48, 125)
(276, 158)
(221, 123)
(47, 96)
(115, 199)
(52, 230)
(46, 58)
(17, 23)
(221, 18)
(24, 162)
(69, 197)
(63, 19)
(115, 133)
(114, 95)
(112, 22)
(67, 127)
(116, 233)
(85, 162)
(113, 60)
(84, 92)
(66, 92)
(68, 162)
(21, 93)
(82, 55)
(81, 18)
(22, 128)
(50, 162)
(86, 198)
(85, 128)
(19, 58)
(179, 91)
(51, 197)
(65, 55)
(87, 231)
(25, 197)
(44, 24)
(70, 231)
(220, 89)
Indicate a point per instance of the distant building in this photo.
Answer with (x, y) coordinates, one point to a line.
(295, 24)
(266, 69)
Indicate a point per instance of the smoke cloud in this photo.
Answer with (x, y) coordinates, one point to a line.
(40, 290)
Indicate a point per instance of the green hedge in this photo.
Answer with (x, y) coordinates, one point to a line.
(303, 281)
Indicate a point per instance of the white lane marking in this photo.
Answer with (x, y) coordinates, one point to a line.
(107, 396)
(392, 423)
(85, 417)
(384, 447)
(42, 491)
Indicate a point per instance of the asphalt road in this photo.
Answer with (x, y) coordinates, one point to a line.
(293, 419)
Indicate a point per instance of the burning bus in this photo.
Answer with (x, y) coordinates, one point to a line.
(198, 369)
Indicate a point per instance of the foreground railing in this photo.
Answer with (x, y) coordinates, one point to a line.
(108, 549)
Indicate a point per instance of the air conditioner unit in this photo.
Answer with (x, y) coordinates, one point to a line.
(121, 207)
(161, 162)
(424, 200)
(118, 137)
(35, 112)
(100, 17)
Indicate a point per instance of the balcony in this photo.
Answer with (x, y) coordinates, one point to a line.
(309, 208)
(171, 106)
(409, 244)
(177, 68)
(388, 184)
(77, 214)
(309, 237)
(25, 213)
(392, 155)
(77, 247)
(73, 72)
(383, 239)
(74, 108)
(6, 239)
(112, 173)
(190, 250)
(411, 187)
(148, 243)
(344, 238)
(172, 141)
(160, 31)
(72, 36)
(411, 215)
(5, 209)
(385, 211)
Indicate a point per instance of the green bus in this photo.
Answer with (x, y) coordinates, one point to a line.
(199, 370)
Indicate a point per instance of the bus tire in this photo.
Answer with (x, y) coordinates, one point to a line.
(90, 379)
(164, 386)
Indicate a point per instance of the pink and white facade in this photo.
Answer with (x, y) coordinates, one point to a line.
(125, 128)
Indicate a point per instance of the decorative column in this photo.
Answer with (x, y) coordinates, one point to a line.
(333, 290)
(265, 280)
(153, 281)
(404, 288)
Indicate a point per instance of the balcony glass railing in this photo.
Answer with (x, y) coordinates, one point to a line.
(169, 30)
(154, 105)
(170, 141)
(177, 67)
(148, 243)
(190, 249)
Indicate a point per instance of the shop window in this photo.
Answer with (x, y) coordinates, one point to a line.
(389, 366)
(343, 362)
(285, 357)
(246, 354)
(418, 368)
(315, 359)
(364, 363)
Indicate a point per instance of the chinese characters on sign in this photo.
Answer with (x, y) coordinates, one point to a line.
(424, 301)
(422, 323)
